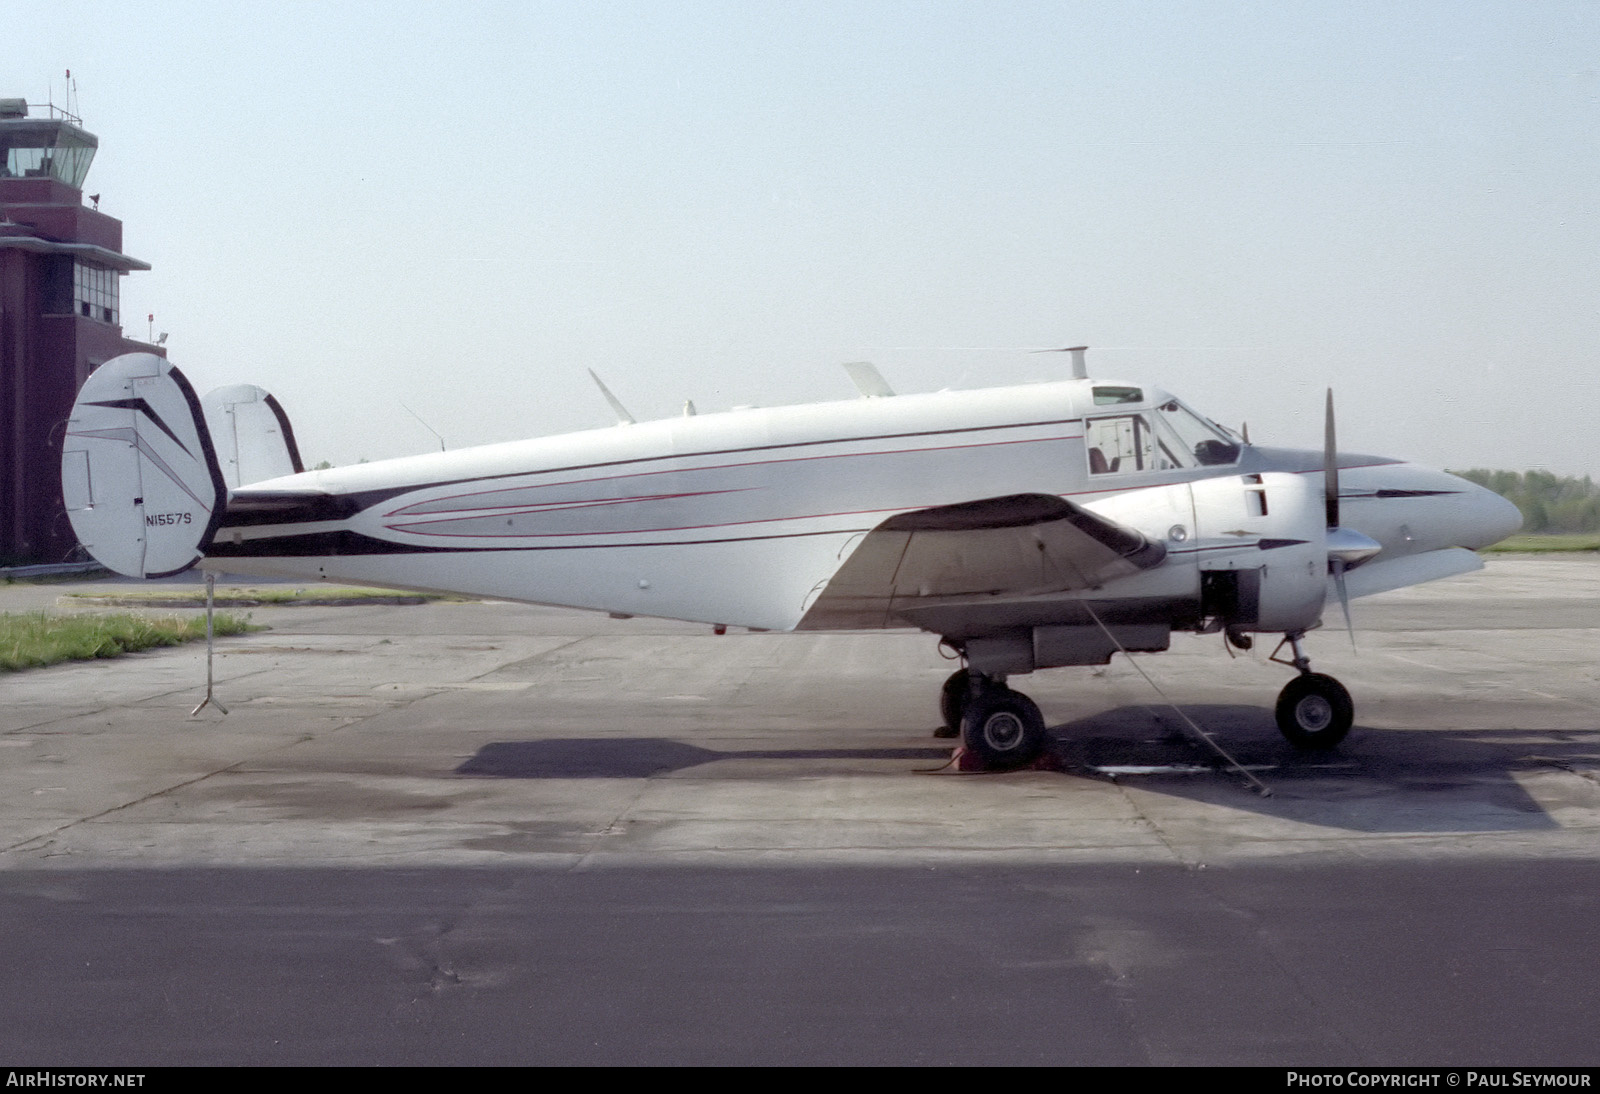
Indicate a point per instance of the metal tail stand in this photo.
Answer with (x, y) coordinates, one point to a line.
(1255, 784)
(211, 695)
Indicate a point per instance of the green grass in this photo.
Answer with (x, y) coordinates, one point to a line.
(55, 579)
(1539, 544)
(241, 597)
(34, 639)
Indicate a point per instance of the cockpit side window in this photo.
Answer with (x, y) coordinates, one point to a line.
(1119, 444)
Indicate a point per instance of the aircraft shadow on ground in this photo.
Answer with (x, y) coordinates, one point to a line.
(643, 757)
(1379, 780)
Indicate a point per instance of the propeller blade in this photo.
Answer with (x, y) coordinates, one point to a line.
(1342, 544)
(1330, 467)
(1337, 565)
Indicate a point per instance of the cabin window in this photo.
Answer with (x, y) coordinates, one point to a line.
(1113, 396)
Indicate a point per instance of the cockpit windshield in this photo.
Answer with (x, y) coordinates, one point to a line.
(1170, 437)
(1198, 443)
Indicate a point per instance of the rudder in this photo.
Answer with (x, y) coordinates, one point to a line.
(139, 475)
(252, 435)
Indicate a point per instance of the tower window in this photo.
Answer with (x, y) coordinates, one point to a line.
(95, 292)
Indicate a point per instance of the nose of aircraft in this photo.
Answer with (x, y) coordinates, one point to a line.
(1483, 517)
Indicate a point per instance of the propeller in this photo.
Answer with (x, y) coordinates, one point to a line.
(1346, 546)
(1330, 467)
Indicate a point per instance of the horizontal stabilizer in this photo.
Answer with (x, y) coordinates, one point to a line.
(138, 472)
(252, 435)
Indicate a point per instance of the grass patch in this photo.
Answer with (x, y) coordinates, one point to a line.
(1540, 544)
(56, 579)
(274, 596)
(30, 640)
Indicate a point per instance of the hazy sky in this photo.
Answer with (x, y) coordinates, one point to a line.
(460, 207)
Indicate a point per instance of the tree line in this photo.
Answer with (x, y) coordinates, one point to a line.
(1553, 504)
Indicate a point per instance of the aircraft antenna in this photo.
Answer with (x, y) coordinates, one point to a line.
(425, 425)
(868, 380)
(623, 417)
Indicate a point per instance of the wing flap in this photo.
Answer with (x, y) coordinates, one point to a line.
(1013, 546)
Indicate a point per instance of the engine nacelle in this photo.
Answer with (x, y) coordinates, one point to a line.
(1276, 579)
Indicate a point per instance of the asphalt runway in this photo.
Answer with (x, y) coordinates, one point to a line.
(460, 832)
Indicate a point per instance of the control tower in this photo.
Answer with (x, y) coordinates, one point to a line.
(61, 263)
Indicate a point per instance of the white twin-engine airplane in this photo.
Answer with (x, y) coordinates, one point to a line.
(1029, 527)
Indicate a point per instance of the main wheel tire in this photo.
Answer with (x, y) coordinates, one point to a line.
(1314, 711)
(953, 702)
(1003, 728)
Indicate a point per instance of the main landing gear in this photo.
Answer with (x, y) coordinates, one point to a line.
(1314, 711)
(1001, 727)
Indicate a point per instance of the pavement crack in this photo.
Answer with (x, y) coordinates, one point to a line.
(536, 657)
(44, 836)
(106, 708)
(616, 827)
(1146, 822)
(1326, 1017)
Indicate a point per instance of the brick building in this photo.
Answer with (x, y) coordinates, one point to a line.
(61, 264)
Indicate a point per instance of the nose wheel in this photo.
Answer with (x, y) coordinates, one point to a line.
(1314, 711)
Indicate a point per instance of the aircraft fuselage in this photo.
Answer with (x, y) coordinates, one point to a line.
(741, 517)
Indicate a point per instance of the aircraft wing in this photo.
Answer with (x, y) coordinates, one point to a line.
(1013, 546)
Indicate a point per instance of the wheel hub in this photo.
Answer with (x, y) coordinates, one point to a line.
(1003, 731)
(1314, 713)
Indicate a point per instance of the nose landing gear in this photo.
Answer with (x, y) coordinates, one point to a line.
(1314, 711)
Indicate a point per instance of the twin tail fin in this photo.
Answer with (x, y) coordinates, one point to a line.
(146, 466)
